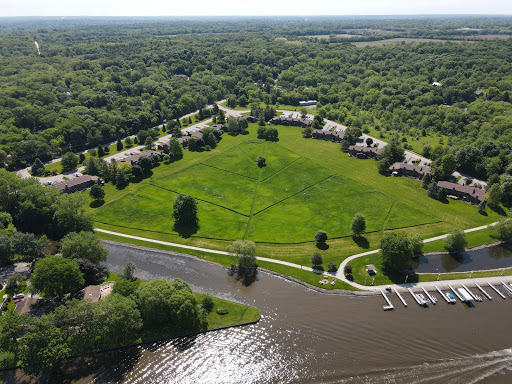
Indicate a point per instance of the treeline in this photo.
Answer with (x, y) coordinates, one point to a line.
(135, 311)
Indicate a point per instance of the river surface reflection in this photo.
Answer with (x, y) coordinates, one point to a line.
(495, 257)
(305, 336)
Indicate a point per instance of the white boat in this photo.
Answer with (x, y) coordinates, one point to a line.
(465, 295)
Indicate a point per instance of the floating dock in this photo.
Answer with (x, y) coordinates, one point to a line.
(420, 302)
(484, 292)
(497, 291)
(401, 298)
(507, 287)
(389, 306)
(457, 294)
(430, 297)
(475, 297)
(448, 300)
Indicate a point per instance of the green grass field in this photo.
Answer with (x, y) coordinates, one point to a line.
(307, 185)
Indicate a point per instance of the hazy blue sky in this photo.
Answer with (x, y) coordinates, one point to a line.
(239, 7)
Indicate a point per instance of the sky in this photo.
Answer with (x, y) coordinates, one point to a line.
(249, 8)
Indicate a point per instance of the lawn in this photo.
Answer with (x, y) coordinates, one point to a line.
(306, 185)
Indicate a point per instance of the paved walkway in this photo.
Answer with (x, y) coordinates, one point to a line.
(339, 275)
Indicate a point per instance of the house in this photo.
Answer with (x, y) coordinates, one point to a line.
(250, 119)
(328, 135)
(163, 147)
(478, 93)
(472, 194)
(78, 184)
(436, 84)
(180, 76)
(26, 305)
(96, 292)
(307, 103)
(199, 137)
(363, 152)
(409, 170)
(291, 121)
(132, 159)
(183, 141)
(220, 127)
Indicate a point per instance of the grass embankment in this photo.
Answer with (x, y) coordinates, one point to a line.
(307, 185)
(195, 120)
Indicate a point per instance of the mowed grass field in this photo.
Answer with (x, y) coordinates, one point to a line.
(306, 185)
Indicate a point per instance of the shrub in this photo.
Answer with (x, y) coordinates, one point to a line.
(456, 241)
(504, 229)
(321, 237)
(332, 267)
(317, 259)
(207, 302)
(261, 161)
(348, 269)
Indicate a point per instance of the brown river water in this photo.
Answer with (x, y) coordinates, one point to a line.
(305, 336)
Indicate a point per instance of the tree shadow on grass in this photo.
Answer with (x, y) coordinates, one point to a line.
(349, 277)
(361, 241)
(398, 277)
(186, 231)
(96, 203)
(499, 210)
(322, 246)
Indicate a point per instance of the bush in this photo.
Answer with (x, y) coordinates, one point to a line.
(317, 259)
(348, 269)
(207, 302)
(321, 237)
(456, 241)
(207, 148)
(261, 161)
(504, 229)
(332, 266)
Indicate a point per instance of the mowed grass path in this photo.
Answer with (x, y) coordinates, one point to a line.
(307, 185)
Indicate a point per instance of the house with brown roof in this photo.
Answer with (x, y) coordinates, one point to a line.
(96, 292)
(334, 136)
(472, 194)
(249, 118)
(291, 121)
(363, 152)
(78, 184)
(220, 127)
(132, 159)
(409, 170)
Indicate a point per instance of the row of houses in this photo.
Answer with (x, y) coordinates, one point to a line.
(291, 121)
(334, 136)
(364, 152)
(473, 195)
(409, 170)
(78, 184)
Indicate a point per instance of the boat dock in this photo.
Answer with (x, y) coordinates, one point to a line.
(497, 291)
(420, 302)
(448, 300)
(430, 297)
(484, 292)
(389, 306)
(401, 298)
(457, 294)
(507, 287)
(475, 297)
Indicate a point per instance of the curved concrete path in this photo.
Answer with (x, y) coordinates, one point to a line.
(339, 275)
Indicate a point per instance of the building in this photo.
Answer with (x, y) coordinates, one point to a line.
(180, 76)
(132, 159)
(78, 184)
(437, 84)
(250, 119)
(220, 127)
(363, 152)
(96, 292)
(307, 103)
(409, 170)
(334, 136)
(183, 141)
(291, 121)
(473, 195)
(478, 93)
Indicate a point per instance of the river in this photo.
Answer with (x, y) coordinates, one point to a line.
(305, 336)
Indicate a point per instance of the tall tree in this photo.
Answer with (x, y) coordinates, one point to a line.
(55, 276)
(83, 245)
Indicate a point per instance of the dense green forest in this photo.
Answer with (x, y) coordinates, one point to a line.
(99, 79)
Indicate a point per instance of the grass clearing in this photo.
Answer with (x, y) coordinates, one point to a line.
(213, 185)
(403, 215)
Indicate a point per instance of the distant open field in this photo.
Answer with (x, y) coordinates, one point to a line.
(400, 40)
